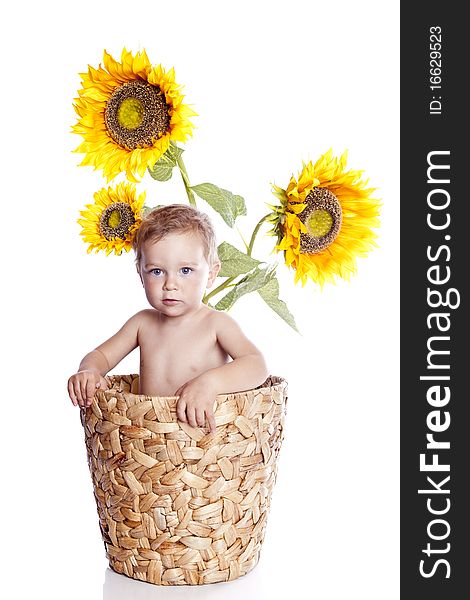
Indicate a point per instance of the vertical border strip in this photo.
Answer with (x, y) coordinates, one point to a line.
(435, 210)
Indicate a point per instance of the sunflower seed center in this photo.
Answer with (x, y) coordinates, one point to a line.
(137, 114)
(130, 113)
(322, 217)
(116, 220)
(319, 222)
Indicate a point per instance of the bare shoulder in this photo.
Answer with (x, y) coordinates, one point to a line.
(139, 323)
(141, 317)
(147, 320)
(222, 321)
(228, 330)
(122, 342)
(147, 314)
(231, 337)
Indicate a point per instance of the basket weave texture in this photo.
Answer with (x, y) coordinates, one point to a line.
(178, 505)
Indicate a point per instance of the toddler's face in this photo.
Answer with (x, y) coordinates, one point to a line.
(175, 273)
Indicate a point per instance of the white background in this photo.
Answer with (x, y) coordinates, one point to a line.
(274, 83)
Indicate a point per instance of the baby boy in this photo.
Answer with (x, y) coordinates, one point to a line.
(185, 346)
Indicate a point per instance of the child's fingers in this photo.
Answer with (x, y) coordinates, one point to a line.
(83, 392)
(181, 410)
(71, 392)
(191, 415)
(78, 392)
(200, 417)
(91, 387)
(211, 420)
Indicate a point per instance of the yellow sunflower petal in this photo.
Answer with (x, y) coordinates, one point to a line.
(110, 224)
(128, 113)
(354, 235)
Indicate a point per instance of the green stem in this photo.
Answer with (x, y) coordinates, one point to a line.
(255, 232)
(219, 288)
(187, 185)
(249, 248)
(243, 239)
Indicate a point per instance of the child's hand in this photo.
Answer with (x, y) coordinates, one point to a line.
(196, 403)
(83, 385)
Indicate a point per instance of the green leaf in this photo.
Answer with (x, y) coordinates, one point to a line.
(233, 261)
(250, 283)
(147, 209)
(241, 206)
(270, 294)
(162, 170)
(224, 202)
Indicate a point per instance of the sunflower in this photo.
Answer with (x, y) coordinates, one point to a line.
(325, 220)
(129, 111)
(113, 220)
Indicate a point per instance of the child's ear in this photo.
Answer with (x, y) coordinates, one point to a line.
(213, 274)
(140, 274)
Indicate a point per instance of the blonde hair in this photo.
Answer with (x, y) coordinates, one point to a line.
(176, 218)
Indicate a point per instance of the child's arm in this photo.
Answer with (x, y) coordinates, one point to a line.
(82, 385)
(246, 371)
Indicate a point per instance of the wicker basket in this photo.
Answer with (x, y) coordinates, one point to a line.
(178, 505)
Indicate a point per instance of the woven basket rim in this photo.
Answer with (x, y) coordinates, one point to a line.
(275, 383)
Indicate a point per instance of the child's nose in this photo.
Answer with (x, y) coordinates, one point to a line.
(170, 283)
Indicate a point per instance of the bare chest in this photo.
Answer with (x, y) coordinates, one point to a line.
(168, 359)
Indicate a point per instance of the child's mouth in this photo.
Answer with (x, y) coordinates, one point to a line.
(170, 301)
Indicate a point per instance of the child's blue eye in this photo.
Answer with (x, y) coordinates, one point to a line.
(156, 271)
(186, 270)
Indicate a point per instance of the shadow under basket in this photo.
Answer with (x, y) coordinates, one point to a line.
(178, 505)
